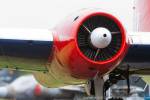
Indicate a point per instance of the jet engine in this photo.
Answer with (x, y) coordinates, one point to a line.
(90, 42)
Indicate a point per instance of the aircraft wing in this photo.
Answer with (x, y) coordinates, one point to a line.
(138, 56)
(25, 49)
(139, 52)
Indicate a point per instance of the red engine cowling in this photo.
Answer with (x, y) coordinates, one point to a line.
(73, 48)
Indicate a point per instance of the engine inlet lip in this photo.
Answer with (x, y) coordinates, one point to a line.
(119, 24)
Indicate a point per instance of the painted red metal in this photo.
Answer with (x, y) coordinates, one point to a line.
(143, 13)
(69, 55)
(37, 90)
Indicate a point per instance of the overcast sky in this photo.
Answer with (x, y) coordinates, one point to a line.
(47, 13)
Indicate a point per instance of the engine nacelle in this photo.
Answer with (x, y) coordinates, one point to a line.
(86, 43)
(89, 42)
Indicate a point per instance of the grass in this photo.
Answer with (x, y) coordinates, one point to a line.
(146, 78)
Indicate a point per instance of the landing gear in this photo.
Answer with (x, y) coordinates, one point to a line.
(95, 88)
(116, 76)
(99, 85)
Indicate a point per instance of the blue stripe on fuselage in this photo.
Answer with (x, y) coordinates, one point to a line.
(25, 48)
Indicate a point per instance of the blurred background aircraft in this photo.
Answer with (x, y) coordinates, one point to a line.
(17, 86)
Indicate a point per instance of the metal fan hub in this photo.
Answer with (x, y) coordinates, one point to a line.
(100, 37)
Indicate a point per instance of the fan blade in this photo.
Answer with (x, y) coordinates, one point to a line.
(113, 33)
(86, 29)
(98, 50)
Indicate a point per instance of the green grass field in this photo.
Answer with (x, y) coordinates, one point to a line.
(146, 78)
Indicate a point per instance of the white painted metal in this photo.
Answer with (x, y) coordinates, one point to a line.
(139, 38)
(26, 34)
(3, 92)
(100, 37)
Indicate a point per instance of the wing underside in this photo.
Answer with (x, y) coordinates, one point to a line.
(25, 49)
(138, 55)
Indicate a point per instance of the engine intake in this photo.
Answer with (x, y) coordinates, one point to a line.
(111, 38)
